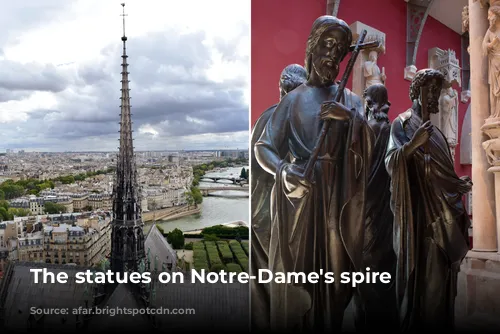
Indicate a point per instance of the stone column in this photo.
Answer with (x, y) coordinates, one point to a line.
(496, 171)
(492, 148)
(483, 203)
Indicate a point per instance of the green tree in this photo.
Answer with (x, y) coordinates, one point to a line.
(12, 190)
(243, 173)
(53, 208)
(4, 214)
(189, 198)
(19, 212)
(197, 195)
(4, 204)
(194, 196)
(176, 238)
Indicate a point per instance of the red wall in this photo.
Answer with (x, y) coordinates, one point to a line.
(279, 33)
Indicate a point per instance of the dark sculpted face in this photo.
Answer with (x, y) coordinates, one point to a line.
(283, 87)
(328, 53)
(291, 77)
(432, 89)
(376, 102)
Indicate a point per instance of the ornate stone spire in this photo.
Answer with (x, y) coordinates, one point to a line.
(127, 248)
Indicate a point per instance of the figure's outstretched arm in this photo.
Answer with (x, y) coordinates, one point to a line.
(272, 146)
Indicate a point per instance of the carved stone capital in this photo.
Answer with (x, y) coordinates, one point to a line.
(446, 62)
(465, 19)
(492, 146)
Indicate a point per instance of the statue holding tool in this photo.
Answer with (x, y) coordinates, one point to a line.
(319, 193)
(430, 220)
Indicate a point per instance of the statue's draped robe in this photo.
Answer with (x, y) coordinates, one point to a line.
(322, 231)
(372, 74)
(261, 183)
(493, 77)
(448, 112)
(430, 227)
(376, 303)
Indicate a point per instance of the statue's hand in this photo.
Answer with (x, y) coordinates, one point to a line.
(489, 47)
(422, 134)
(336, 111)
(295, 183)
(467, 181)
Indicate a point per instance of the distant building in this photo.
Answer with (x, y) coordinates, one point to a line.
(86, 242)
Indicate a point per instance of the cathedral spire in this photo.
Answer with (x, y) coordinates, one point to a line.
(127, 244)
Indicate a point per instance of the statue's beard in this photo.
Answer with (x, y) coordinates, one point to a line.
(327, 70)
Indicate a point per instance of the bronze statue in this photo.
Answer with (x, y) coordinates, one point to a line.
(261, 183)
(376, 303)
(430, 220)
(317, 223)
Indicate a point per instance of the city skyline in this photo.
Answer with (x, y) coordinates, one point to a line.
(60, 76)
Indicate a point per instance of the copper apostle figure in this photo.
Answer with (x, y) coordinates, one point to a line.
(376, 303)
(317, 224)
(430, 220)
(261, 183)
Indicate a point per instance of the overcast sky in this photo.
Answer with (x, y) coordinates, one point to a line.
(60, 74)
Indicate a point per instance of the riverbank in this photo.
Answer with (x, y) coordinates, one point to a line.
(233, 224)
(188, 212)
(167, 214)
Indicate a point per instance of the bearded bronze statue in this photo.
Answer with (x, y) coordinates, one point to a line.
(375, 303)
(430, 220)
(261, 183)
(317, 223)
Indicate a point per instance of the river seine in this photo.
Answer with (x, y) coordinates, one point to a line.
(226, 206)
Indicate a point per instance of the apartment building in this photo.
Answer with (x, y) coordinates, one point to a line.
(80, 201)
(81, 239)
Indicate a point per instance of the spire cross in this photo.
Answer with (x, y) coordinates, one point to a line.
(123, 14)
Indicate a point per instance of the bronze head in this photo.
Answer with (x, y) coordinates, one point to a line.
(426, 88)
(291, 77)
(327, 45)
(377, 102)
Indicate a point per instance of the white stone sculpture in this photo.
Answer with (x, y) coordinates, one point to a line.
(372, 72)
(491, 47)
(448, 112)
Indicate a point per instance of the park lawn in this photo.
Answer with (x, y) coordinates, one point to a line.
(220, 255)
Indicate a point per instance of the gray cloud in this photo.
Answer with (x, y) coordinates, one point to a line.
(19, 16)
(31, 77)
(170, 92)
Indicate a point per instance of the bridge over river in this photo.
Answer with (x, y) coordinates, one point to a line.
(206, 191)
(235, 180)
